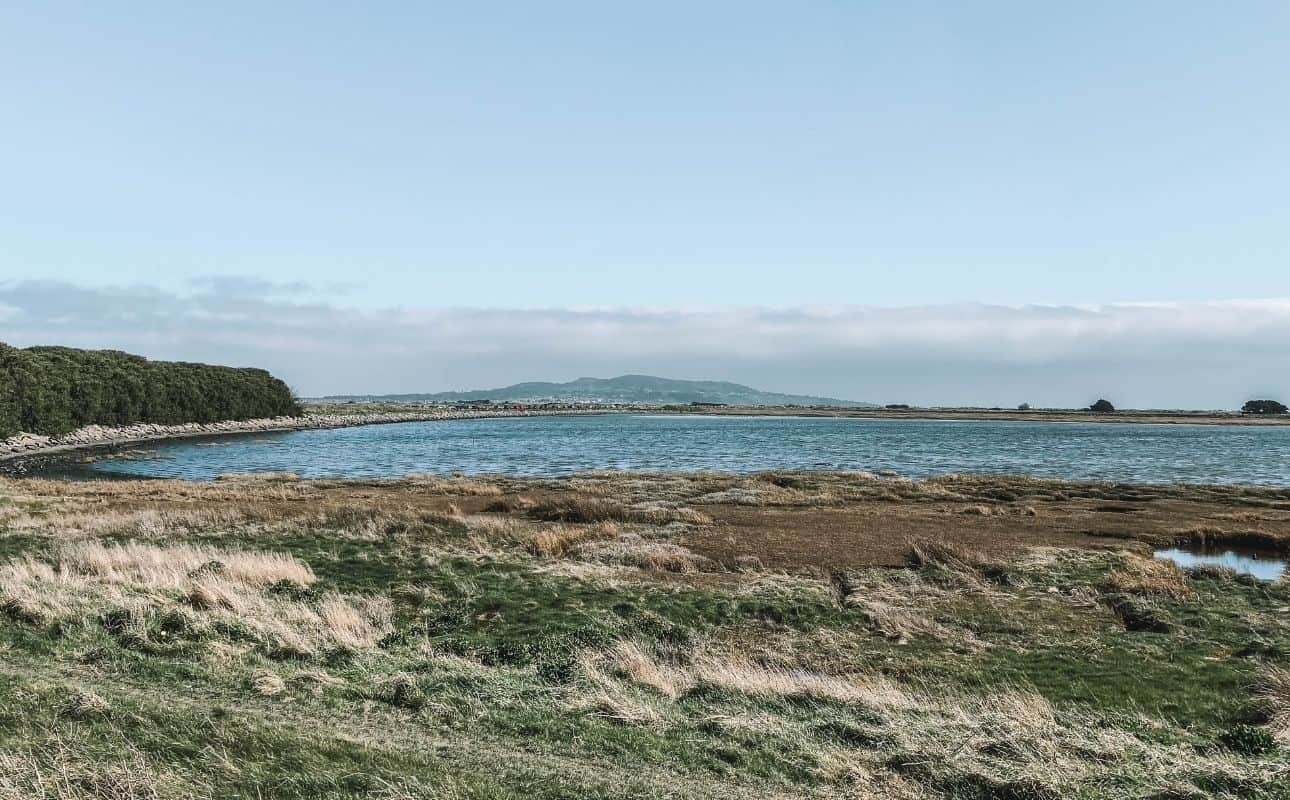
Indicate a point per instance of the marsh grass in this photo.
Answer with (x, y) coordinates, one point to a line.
(1151, 577)
(1275, 692)
(583, 509)
(278, 638)
(560, 539)
(155, 596)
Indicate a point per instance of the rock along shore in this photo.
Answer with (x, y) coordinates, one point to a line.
(30, 444)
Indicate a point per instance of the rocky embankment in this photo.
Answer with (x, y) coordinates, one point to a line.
(25, 444)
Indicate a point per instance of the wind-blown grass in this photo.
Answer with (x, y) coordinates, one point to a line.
(272, 637)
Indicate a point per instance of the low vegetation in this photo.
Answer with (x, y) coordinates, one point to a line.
(615, 635)
(53, 390)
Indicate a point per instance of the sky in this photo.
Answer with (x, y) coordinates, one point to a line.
(902, 202)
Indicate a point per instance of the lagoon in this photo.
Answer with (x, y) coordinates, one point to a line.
(1148, 453)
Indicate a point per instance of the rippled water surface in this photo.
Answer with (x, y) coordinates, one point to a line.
(552, 445)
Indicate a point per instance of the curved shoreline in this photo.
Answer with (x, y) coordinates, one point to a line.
(19, 448)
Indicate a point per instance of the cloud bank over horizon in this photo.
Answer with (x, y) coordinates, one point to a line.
(1159, 355)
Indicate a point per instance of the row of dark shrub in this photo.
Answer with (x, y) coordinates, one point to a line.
(54, 390)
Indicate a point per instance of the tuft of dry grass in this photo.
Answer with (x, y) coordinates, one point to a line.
(633, 550)
(84, 704)
(201, 585)
(1275, 693)
(901, 604)
(454, 484)
(766, 680)
(143, 522)
(1153, 577)
(560, 539)
(636, 664)
(611, 699)
(177, 565)
(737, 674)
(897, 621)
(579, 509)
(948, 556)
(583, 509)
(59, 770)
(268, 684)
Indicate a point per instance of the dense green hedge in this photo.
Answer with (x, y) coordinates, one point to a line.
(58, 389)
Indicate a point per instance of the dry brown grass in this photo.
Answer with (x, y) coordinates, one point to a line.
(1149, 576)
(1275, 692)
(771, 490)
(756, 679)
(268, 684)
(206, 585)
(903, 604)
(633, 661)
(84, 703)
(175, 566)
(454, 484)
(747, 677)
(633, 550)
(560, 539)
(946, 555)
(139, 522)
(58, 770)
(612, 699)
(897, 620)
(582, 509)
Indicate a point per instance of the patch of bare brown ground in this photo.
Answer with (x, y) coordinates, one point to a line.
(878, 532)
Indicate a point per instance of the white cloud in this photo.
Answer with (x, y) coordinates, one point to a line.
(1159, 354)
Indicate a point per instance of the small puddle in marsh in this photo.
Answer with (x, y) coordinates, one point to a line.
(1265, 565)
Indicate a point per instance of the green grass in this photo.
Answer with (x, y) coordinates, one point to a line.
(483, 688)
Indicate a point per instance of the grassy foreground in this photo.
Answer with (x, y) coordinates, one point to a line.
(617, 635)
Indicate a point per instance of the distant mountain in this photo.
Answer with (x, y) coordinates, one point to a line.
(623, 389)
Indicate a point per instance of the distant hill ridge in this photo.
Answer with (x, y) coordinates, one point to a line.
(623, 389)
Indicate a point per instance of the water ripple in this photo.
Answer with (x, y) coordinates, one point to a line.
(556, 445)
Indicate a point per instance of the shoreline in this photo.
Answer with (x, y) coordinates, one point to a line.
(1221, 418)
(24, 446)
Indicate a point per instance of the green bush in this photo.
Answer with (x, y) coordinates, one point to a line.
(54, 390)
(1263, 407)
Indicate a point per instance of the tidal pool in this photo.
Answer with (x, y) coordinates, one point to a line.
(1266, 566)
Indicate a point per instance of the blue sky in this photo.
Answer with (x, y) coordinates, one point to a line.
(646, 157)
(660, 153)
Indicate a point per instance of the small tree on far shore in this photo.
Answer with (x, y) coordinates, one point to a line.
(1102, 407)
(1263, 407)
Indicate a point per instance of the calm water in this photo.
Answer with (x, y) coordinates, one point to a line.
(552, 445)
(1267, 566)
